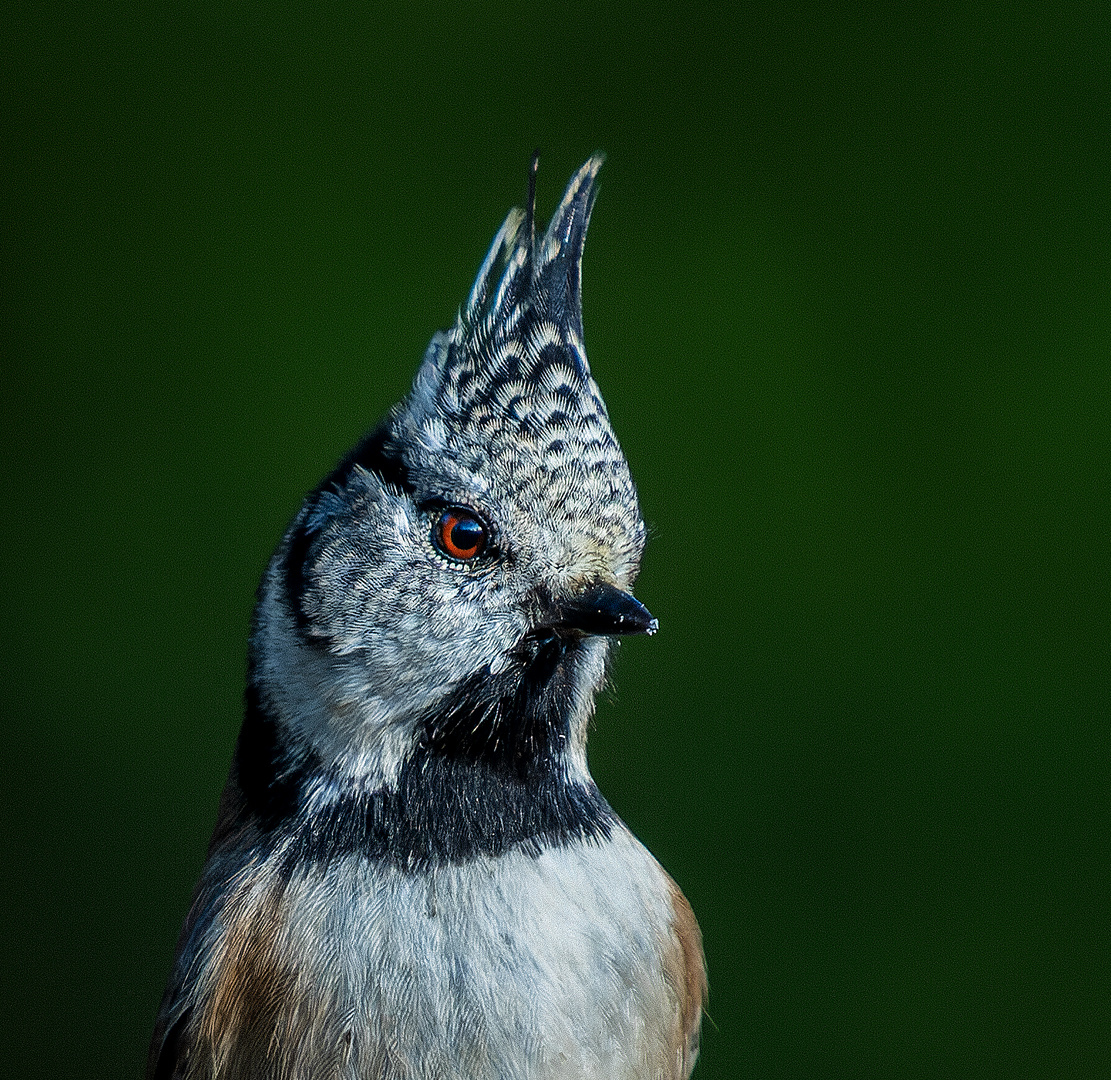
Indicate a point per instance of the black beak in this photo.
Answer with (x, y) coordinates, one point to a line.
(604, 609)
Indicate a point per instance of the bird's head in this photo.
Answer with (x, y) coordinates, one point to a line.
(456, 579)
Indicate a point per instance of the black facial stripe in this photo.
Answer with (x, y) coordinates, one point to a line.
(376, 455)
(270, 782)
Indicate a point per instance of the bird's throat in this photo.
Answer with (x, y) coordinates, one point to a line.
(489, 771)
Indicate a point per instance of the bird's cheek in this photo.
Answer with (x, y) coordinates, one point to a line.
(474, 637)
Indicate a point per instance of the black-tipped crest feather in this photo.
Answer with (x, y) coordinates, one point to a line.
(544, 274)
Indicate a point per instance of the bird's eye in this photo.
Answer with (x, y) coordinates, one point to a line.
(459, 534)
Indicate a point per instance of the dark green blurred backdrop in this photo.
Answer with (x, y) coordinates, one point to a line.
(846, 292)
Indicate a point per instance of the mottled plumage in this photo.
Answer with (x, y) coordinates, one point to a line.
(413, 875)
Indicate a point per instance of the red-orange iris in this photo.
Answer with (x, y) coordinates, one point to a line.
(459, 534)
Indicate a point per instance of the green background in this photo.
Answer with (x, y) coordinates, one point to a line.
(846, 293)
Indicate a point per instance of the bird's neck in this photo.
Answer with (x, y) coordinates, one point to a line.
(486, 770)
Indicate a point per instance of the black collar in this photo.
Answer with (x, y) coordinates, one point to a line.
(488, 773)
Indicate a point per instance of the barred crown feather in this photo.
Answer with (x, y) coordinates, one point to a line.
(506, 395)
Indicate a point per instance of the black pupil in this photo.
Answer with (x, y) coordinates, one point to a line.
(467, 534)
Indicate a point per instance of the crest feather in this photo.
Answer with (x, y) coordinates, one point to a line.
(504, 411)
(540, 276)
(504, 400)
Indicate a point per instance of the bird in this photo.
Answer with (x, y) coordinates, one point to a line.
(413, 875)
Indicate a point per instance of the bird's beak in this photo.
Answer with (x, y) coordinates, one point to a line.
(604, 609)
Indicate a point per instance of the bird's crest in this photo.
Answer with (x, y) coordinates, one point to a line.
(509, 384)
(522, 277)
(523, 315)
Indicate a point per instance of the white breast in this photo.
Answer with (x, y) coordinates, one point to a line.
(547, 966)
